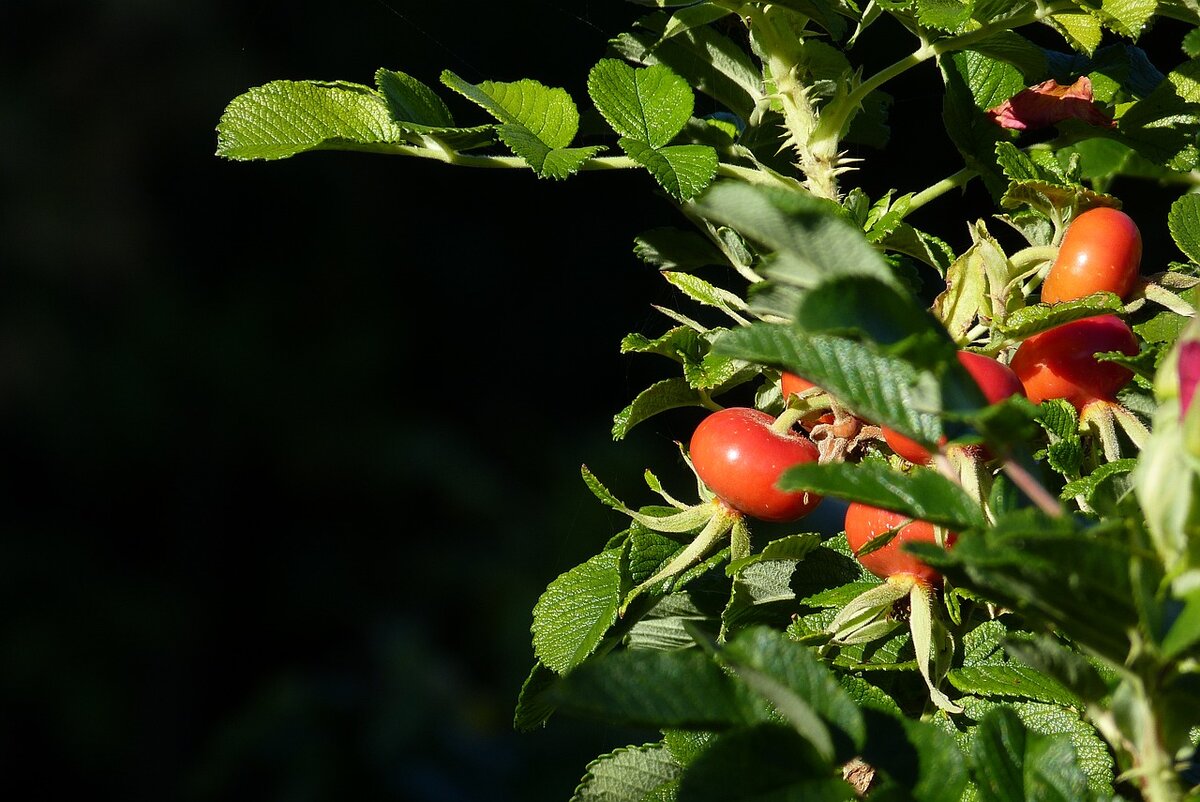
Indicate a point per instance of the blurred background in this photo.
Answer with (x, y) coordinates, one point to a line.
(290, 449)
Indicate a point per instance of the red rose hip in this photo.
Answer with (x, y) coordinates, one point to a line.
(1061, 362)
(864, 523)
(740, 458)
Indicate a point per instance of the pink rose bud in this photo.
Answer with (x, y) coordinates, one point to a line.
(1189, 373)
(1048, 103)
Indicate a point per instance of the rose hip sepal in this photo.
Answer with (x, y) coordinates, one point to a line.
(871, 614)
(740, 457)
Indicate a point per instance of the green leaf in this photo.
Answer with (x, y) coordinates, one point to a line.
(975, 82)
(767, 762)
(989, 81)
(658, 397)
(537, 122)
(686, 745)
(823, 12)
(1184, 223)
(412, 102)
(1101, 157)
(680, 344)
(641, 688)
(762, 593)
(650, 104)
(866, 307)
(1058, 418)
(1049, 196)
(1126, 17)
(1020, 166)
(1011, 681)
(1167, 486)
(1036, 318)
(547, 113)
(1191, 43)
(284, 118)
(1012, 764)
(684, 171)
(966, 296)
(983, 642)
(546, 161)
(1184, 631)
(920, 493)
(919, 245)
(881, 389)
(628, 774)
(1051, 659)
(717, 373)
(706, 293)
(799, 686)
(1097, 481)
(1014, 49)
(869, 697)
(648, 552)
(1081, 30)
(946, 15)
(825, 571)
(693, 16)
(575, 611)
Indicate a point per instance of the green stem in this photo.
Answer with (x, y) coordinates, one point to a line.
(1028, 264)
(1032, 255)
(940, 188)
(928, 51)
(787, 419)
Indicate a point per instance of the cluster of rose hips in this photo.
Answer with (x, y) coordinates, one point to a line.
(740, 453)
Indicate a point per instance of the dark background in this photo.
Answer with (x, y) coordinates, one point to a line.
(288, 450)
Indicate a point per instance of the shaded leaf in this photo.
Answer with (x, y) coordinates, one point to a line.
(658, 397)
(641, 688)
(798, 685)
(764, 762)
(1012, 764)
(533, 708)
